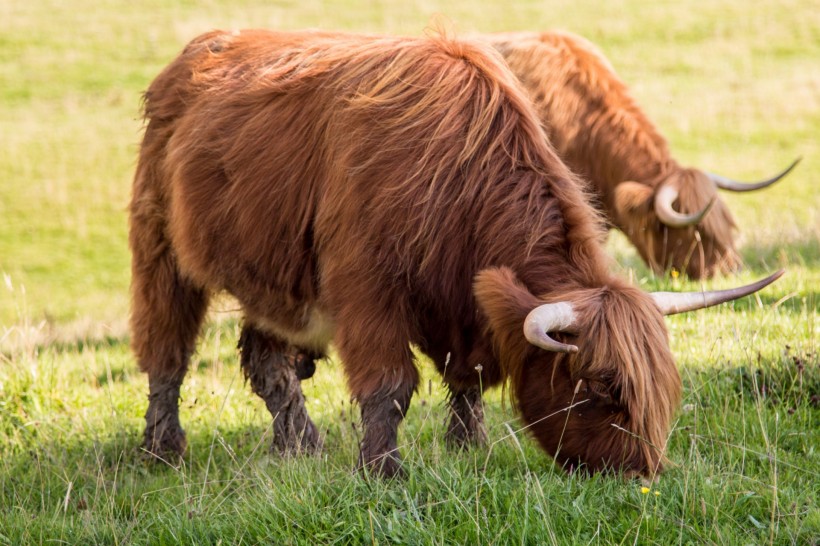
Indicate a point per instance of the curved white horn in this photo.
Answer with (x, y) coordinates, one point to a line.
(550, 317)
(671, 303)
(733, 185)
(664, 198)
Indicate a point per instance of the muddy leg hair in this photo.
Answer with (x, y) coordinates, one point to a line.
(273, 375)
(466, 418)
(381, 415)
(163, 436)
(372, 337)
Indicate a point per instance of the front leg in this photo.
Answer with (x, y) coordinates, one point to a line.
(382, 376)
(381, 415)
(466, 418)
(274, 377)
(374, 328)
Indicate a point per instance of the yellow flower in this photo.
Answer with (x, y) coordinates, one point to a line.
(645, 490)
(657, 493)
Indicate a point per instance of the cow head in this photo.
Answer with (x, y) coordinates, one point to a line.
(682, 223)
(591, 371)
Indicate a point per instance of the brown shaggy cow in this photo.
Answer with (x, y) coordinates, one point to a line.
(382, 192)
(592, 120)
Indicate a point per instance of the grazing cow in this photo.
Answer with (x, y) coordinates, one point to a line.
(593, 121)
(381, 192)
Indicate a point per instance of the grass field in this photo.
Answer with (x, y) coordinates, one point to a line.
(735, 87)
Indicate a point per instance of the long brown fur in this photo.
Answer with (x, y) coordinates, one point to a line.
(601, 133)
(352, 189)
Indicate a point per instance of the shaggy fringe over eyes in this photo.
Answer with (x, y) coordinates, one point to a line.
(696, 190)
(714, 241)
(622, 324)
(368, 179)
(623, 350)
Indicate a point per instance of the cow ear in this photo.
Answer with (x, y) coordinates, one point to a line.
(633, 198)
(504, 301)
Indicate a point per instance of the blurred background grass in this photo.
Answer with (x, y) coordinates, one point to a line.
(734, 86)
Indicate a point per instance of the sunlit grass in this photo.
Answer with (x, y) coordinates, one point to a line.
(744, 450)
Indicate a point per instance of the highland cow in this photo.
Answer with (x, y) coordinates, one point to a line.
(600, 132)
(381, 192)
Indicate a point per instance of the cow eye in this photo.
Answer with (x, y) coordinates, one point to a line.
(599, 389)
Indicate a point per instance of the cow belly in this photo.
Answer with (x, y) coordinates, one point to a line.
(315, 335)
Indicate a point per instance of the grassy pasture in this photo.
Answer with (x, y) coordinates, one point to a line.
(734, 85)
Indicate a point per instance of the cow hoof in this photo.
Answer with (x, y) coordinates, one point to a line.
(466, 428)
(463, 442)
(292, 443)
(167, 445)
(461, 437)
(386, 466)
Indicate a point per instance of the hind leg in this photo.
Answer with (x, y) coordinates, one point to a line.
(274, 375)
(466, 418)
(167, 311)
(167, 314)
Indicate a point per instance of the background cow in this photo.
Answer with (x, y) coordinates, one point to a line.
(377, 193)
(672, 214)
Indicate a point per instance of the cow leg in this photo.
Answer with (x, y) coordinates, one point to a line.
(274, 376)
(382, 379)
(163, 437)
(167, 313)
(466, 418)
(381, 415)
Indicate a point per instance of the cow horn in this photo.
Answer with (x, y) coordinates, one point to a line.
(671, 303)
(664, 198)
(733, 185)
(550, 317)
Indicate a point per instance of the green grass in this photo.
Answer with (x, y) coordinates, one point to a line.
(733, 86)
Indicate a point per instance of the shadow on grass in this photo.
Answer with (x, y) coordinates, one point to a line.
(122, 449)
(789, 381)
(214, 455)
(228, 480)
(112, 482)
